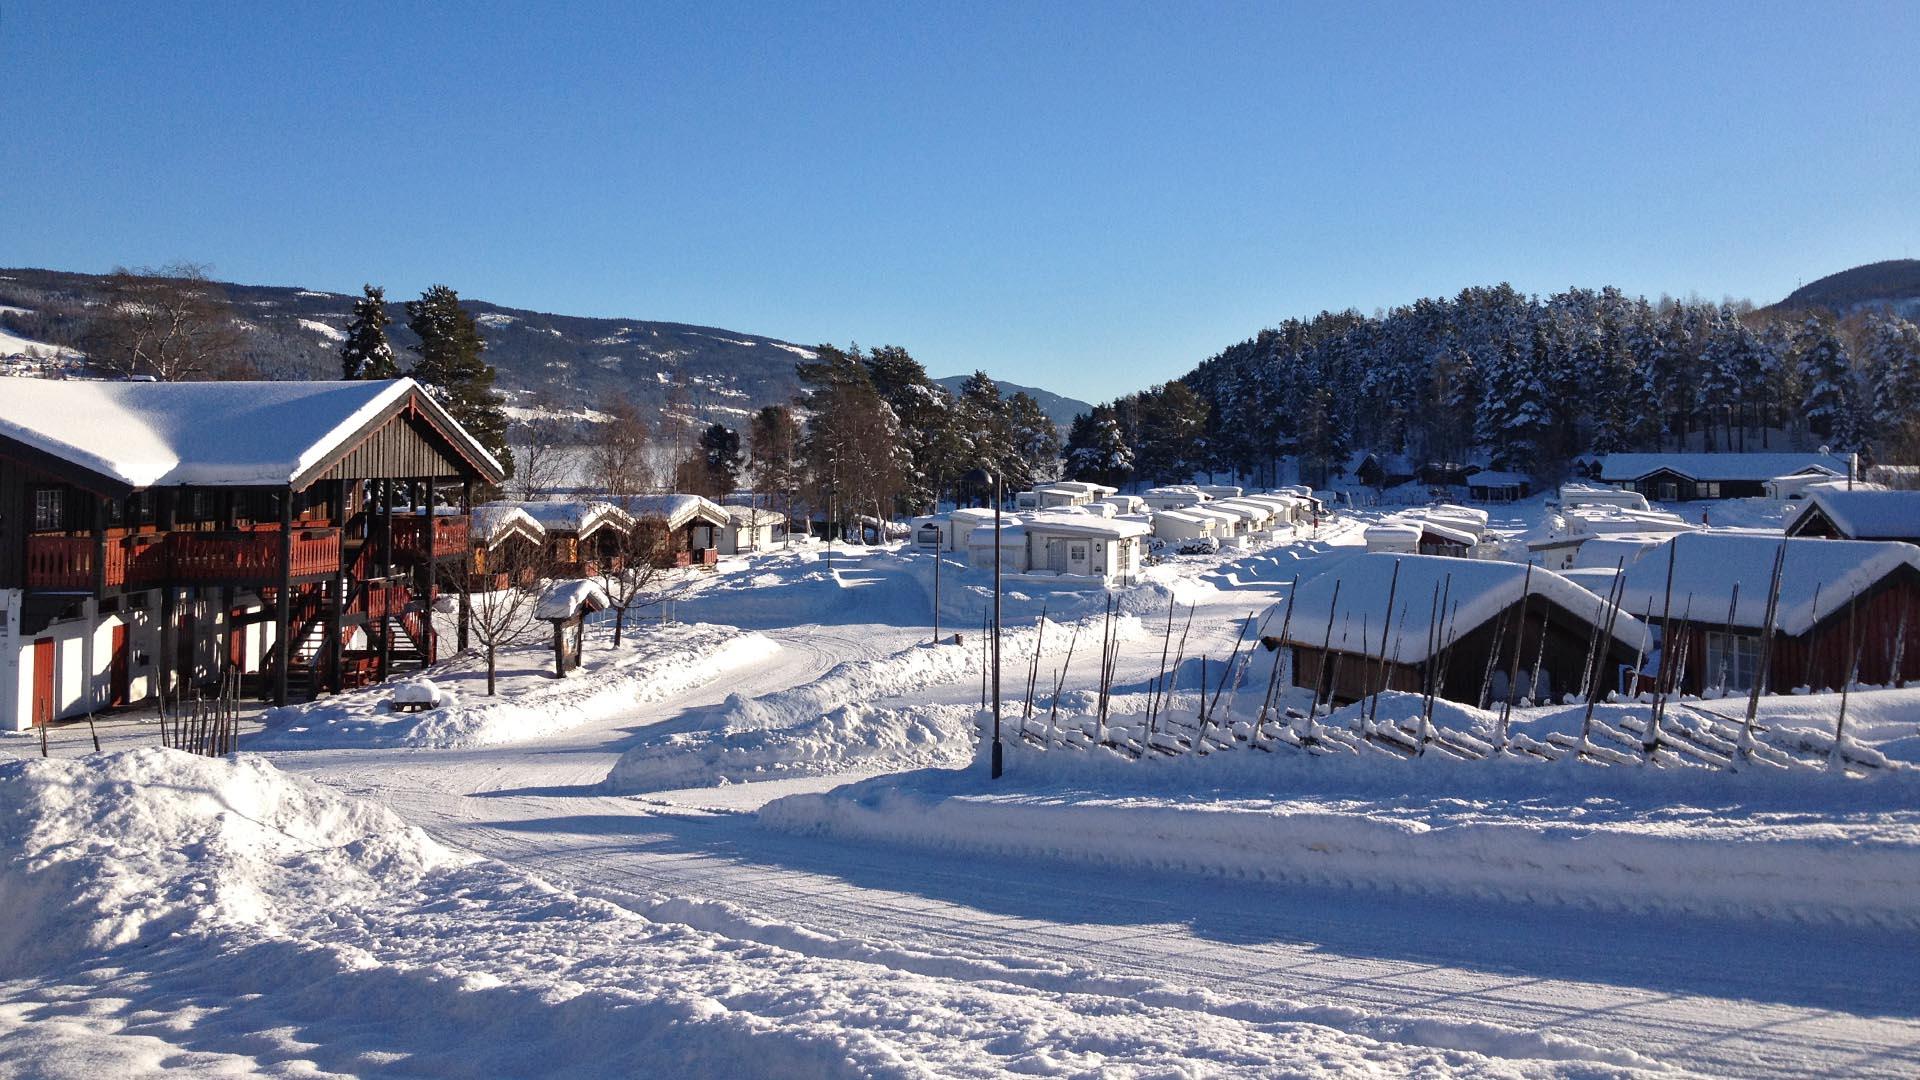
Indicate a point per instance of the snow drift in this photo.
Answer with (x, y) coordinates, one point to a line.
(653, 662)
(170, 913)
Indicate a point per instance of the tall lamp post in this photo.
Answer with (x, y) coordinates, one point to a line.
(982, 478)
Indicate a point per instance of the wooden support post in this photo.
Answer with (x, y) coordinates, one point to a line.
(283, 602)
(386, 573)
(466, 603)
(429, 570)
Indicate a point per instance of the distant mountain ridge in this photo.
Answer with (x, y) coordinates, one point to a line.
(701, 373)
(1893, 284)
(1058, 407)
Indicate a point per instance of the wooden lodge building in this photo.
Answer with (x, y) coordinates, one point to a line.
(1821, 582)
(680, 530)
(1337, 639)
(155, 536)
(1685, 477)
(1862, 514)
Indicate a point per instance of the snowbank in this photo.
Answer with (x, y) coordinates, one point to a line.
(827, 725)
(168, 913)
(1794, 844)
(652, 663)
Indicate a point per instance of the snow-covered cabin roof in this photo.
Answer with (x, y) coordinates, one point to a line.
(565, 599)
(212, 434)
(1452, 531)
(1600, 519)
(1865, 515)
(971, 515)
(1186, 522)
(1049, 523)
(579, 517)
(1475, 592)
(1499, 479)
(1621, 468)
(494, 522)
(676, 510)
(1125, 504)
(752, 516)
(1707, 565)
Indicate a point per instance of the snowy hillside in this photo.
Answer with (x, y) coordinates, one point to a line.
(1894, 284)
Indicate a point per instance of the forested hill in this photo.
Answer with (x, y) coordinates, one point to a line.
(292, 332)
(1060, 409)
(1893, 285)
(1520, 382)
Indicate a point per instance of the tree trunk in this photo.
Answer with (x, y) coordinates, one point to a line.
(489, 670)
(619, 623)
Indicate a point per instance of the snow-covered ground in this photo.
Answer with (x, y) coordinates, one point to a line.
(731, 867)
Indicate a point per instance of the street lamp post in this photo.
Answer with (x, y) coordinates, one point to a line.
(983, 477)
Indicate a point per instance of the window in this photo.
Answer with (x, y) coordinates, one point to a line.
(1710, 490)
(49, 509)
(1733, 661)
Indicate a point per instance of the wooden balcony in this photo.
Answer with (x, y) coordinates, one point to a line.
(247, 557)
(68, 563)
(438, 537)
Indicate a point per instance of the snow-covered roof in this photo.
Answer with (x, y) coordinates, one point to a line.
(751, 516)
(1475, 591)
(1497, 478)
(1125, 504)
(231, 434)
(1866, 515)
(1047, 522)
(1407, 531)
(1451, 531)
(579, 517)
(1251, 509)
(676, 510)
(1185, 521)
(493, 522)
(1077, 487)
(563, 599)
(1013, 530)
(1601, 519)
(1707, 566)
(972, 514)
(1754, 467)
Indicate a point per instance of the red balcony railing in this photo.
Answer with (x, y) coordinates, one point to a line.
(69, 562)
(150, 559)
(447, 534)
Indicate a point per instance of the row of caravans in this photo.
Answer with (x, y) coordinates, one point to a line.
(1088, 529)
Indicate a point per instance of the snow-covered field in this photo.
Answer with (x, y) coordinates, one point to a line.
(762, 841)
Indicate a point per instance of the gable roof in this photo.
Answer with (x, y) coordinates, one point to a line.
(494, 522)
(1708, 565)
(211, 434)
(578, 517)
(1622, 468)
(1476, 591)
(676, 510)
(1085, 525)
(1865, 515)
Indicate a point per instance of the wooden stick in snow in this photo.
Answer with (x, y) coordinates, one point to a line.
(1393, 586)
(1836, 757)
(1745, 749)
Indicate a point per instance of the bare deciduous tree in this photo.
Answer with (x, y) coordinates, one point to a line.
(631, 574)
(502, 598)
(619, 464)
(172, 324)
(540, 458)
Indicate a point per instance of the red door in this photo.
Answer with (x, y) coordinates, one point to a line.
(117, 669)
(43, 682)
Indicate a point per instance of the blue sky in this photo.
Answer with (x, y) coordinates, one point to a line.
(1090, 197)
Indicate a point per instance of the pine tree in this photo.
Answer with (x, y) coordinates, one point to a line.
(367, 354)
(1097, 450)
(1830, 397)
(1893, 359)
(450, 366)
(720, 453)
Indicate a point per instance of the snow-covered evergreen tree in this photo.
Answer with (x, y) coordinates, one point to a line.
(1830, 394)
(450, 366)
(1893, 361)
(367, 354)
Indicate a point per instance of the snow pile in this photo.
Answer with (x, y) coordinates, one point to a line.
(152, 843)
(1793, 844)
(216, 916)
(827, 726)
(565, 599)
(652, 663)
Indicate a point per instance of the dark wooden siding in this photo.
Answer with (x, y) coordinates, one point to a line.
(1820, 658)
(404, 446)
